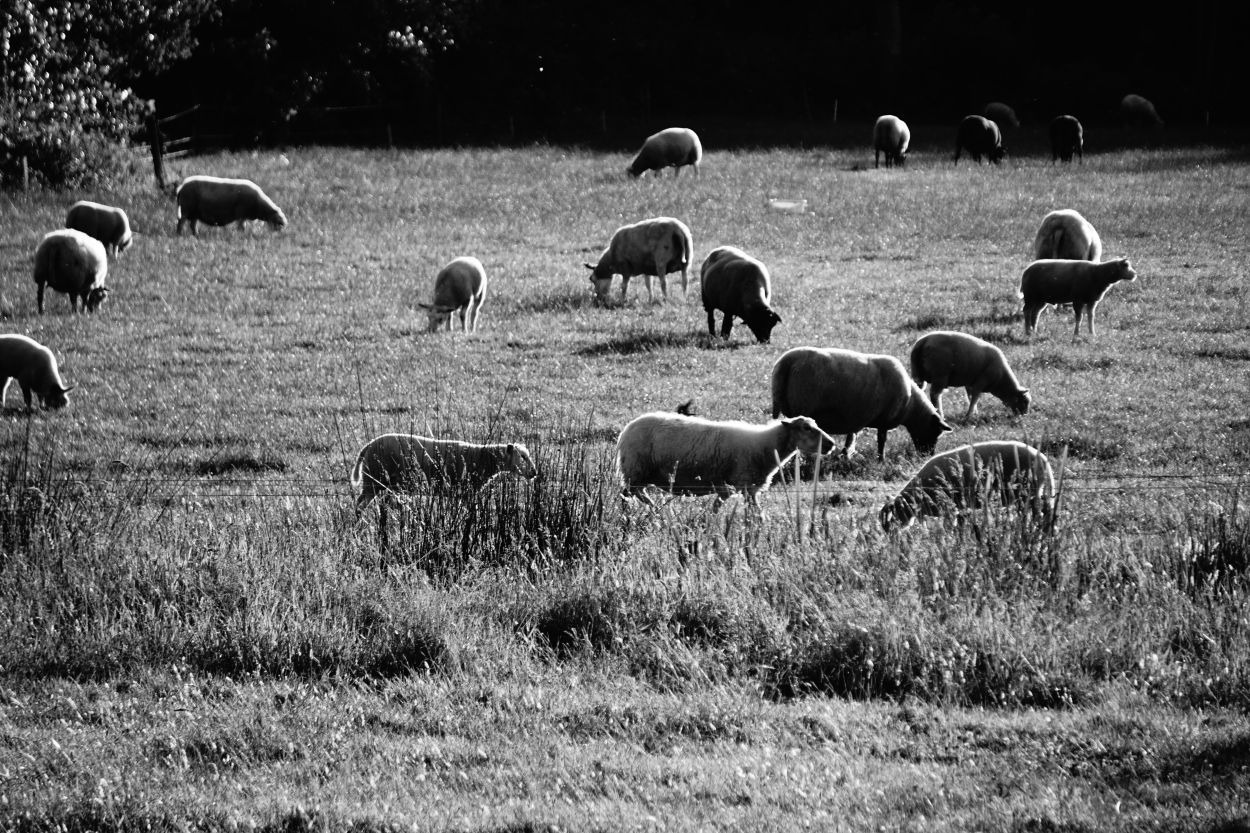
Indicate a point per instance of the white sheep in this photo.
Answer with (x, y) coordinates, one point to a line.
(890, 136)
(34, 367)
(690, 455)
(105, 223)
(947, 359)
(956, 481)
(846, 391)
(1138, 111)
(1066, 235)
(670, 148)
(460, 285)
(395, 464)
(1077, 282)
(737, 284)
(1066, 138)
(649, 247)
(1001, 114)
(219, 202)
(75, 263)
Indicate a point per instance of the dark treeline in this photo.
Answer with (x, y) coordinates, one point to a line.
(499, 70)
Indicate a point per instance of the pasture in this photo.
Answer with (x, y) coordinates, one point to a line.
(201, 634)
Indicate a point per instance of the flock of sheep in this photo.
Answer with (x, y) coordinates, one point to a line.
(816, 392)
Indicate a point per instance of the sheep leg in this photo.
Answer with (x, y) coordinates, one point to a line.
(1031, 312)
(882, 433)
(849, 448)
(711, 322)
(473, 311)
(625, 286)
(26, 396)
(973, 396)
(1091, 320)
(876, 159)
(1076, 330)
(727, 326)
(464, 321)
(39, 297)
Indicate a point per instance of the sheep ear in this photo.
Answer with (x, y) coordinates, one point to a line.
(67, 390)
(423, 305)
(588, 266)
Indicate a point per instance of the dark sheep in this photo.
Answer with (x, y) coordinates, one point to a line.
(1067, 137)
(737, 284)
(980, 137)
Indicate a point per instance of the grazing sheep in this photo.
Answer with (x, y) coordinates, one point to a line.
(955, 481)
(219, 202)
(980, 137)
(649, 247)
(688, 455)
(1066, 235)
(1001, 114)
(670, 148)
(1139, 112)
(737, 284)
(1077, 282)
(460, 285)
(34, 368)
(891, 137)
(946, 359)
(845, 391)
(75, 263)
(395, 464)
(105, 223)
(1066, 138)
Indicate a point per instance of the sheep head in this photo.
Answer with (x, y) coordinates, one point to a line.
(96, 297)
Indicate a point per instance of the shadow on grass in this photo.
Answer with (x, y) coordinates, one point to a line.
(563, 299)
(647, 341)
(964, 323)
(1054, 360)
(1233, 354)
(241, 462)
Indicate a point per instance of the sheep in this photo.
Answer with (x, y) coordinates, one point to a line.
(1137, 111)
(947, 359)
(105, 223)
(690, 455)
(1066, 235)
(394, 464)
(957, 480)
(980, 137)
(1001, 114)
(219, 202)
(845, 391)
(891, 137)
(738, 284)
(672, 147)
(1066, 138)
(75, 263)
(34, 367)
(1077, 282)
(460, 285)
(649, 247)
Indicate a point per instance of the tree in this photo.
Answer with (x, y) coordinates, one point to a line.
(67, 70)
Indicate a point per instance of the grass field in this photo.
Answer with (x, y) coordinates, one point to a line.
(201, 635)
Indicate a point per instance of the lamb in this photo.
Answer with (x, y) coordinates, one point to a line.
(845, 391)
(690, 455)
(738, 284)
(219, 202)
(75, 263)
(1066, 138)
(460, 285)
(980, 137)
(105, 223)
(672, 147)
(649, 247)
(1066, 235)
(34, 367)
(955, 481)
(394, 464)
(1001, 114)
(891, 137)
(1077, 282)
(947, 359)
(1139, 112)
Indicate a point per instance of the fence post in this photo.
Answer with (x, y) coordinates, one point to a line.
(158, 151)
